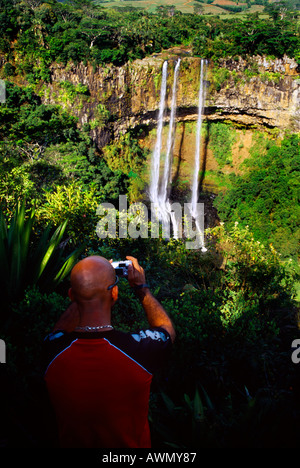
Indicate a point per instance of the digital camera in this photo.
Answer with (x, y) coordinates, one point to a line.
(121, 268)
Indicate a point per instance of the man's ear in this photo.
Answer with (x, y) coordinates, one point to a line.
(115, 294)
(71, 295)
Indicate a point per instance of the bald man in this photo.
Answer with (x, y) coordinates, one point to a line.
(99, 378)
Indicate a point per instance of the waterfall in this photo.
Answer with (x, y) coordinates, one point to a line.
(201, 99)
(194, 200)
(155, 166)
(159, 193)
(167, 168)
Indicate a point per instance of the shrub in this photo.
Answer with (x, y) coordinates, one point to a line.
(29, 259)
(75, 204)
(9, 70)
(221, 139)
(33, 318)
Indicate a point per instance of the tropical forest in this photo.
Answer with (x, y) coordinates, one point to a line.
(188, 109)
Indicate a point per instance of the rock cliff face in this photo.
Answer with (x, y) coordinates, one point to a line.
(269, 96)
(257, 93)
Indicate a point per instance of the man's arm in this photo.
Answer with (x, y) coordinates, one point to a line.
(156, 314)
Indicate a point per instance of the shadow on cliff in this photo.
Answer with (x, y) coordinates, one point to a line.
(176, 176)
(206, 195)
(204, 157)
(175, 179)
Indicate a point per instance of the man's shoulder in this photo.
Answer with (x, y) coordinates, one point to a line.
(61, 338)
(54, 343)
(151, 334)
(148, 346)
(54, 335)
(143, 336)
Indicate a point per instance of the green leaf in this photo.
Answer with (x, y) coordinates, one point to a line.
(207, 399)
(68, 265)
(198, 407)
(53, 243)
(168, 402)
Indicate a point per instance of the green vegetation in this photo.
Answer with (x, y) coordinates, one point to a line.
(221, 139)
(41, 148)
(230, 381)
(235, 318)
(29, 259)
(80, 31)
(198, 7)
(266, 196)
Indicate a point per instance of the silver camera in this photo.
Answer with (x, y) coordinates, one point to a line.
(121, 268)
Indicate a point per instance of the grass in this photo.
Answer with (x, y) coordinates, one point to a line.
(185, 6)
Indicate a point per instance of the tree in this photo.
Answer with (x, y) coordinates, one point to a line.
(33, 4)
(88, 8)
(282, 9)
(92, 29)
(198, 9)
(167, 10)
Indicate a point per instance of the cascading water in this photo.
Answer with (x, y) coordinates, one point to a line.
(163, 195)
(195, 184)
(155, 166)
(166, 213)
(159, 195)
(201, 100)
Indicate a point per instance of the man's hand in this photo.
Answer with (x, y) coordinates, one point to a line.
(136, 274)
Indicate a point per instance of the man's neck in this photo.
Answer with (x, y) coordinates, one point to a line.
(94, 314)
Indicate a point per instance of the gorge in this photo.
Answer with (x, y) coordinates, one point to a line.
(258, 94)
(245, 98)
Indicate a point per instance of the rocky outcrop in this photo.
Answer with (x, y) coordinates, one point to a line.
(268, 95)
(259, 92)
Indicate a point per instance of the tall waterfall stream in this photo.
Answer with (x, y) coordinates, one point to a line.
(160, 186)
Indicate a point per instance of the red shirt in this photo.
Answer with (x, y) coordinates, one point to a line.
(99, 385)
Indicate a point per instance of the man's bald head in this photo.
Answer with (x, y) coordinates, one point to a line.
(91, 277)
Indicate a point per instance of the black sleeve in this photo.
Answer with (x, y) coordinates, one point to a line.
(53, 344)
(151, 347)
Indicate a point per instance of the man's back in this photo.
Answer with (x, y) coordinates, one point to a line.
(99, 384)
